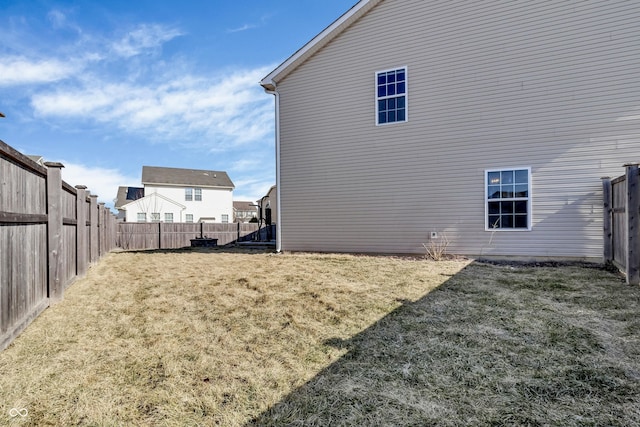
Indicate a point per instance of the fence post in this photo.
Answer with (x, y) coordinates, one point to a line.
(633, 224)
(54, 230)
(201, 230)
(101, 229)
(607, 223)
(81, 230)
(93, 217)
(159, 235)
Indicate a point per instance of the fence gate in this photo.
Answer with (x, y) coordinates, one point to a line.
(622, 222)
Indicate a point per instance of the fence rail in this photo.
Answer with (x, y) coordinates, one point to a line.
(622, 222)
(49, 233)
(161, 235)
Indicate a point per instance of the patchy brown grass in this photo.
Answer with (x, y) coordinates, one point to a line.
(231, 338)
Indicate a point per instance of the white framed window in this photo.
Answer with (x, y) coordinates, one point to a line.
(168, 217)
(508, 199)
(188, 194)
(189, 218)
(225, 218)
(142, 217)
(391, 96)
(155, 217)
(197, 194)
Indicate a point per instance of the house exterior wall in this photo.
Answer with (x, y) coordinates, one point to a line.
(270, 199)
(551, 86)
(153, 203)
(215, 203)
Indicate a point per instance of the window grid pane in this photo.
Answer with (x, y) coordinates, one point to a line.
(391, 91)
(507, 199)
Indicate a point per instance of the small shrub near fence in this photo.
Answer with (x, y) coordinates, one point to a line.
(49, 234)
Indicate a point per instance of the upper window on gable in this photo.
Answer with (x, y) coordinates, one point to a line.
(391, 96)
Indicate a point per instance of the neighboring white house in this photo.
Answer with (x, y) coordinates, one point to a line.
(490, 122)
(244, 211)
(182, 195)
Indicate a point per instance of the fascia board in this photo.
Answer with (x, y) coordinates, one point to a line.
(328, 34)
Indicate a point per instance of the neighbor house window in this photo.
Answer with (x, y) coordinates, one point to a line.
(225, 218)
(142, 217)
(155, 217)
(188, 194)
(198, 194)
(189, 218)
(508, 199)
(391, 96)
(168, 217)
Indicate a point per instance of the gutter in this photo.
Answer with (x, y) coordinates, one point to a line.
(270, 88)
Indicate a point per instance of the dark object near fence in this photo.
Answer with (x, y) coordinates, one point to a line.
(204, 242)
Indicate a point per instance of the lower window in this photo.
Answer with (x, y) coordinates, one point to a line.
(508, 199)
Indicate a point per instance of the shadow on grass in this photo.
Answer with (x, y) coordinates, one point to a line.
(494, 345)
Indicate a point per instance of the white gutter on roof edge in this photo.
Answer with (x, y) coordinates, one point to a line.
(277, 135)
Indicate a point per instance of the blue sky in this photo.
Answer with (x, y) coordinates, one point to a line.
(106, 87)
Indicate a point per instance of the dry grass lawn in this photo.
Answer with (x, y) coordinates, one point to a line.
(215, 337)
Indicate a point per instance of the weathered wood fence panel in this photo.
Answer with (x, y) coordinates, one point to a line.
(46, 229)
(622, 222)
(161, 235)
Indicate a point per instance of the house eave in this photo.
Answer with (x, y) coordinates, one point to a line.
(269, 82)
(167, 184)
(152, 195)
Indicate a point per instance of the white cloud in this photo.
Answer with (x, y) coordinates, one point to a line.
(232, 108)
(102, 182)
(251, 189)
(242, 28)
(19, 70)
(146, 37)
(59, 21)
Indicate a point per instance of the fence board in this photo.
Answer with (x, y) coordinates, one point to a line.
(624, 233)
(144, 235)
(619, 222)
(40, 241)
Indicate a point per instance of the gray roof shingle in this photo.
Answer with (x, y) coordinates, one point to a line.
(185, 177)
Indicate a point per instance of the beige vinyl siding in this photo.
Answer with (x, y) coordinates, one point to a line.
(491, 85)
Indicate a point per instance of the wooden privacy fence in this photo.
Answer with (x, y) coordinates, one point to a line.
(49, 234)
(622, 222)
(162, 235)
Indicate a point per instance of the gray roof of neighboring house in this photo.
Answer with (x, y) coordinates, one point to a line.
(185, 177)
(243, 206)
(127, 194)
(38, 159)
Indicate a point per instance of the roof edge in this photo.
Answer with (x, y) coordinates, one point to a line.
(166, 184)
(149, 196)
(319, 41)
